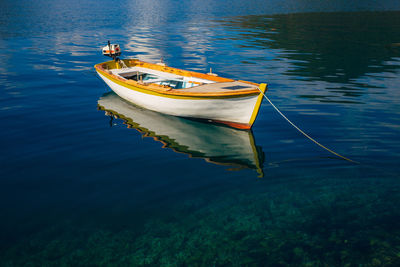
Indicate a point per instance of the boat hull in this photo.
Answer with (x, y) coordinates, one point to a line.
(235, 111)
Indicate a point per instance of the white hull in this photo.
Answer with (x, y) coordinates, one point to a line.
(238, 110)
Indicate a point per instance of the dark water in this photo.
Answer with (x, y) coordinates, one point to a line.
(152, 190)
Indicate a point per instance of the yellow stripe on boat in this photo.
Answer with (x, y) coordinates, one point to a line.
(263, 88)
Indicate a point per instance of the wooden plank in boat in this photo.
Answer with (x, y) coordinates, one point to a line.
(221, 87)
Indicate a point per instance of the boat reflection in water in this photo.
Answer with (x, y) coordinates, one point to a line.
(214, 143)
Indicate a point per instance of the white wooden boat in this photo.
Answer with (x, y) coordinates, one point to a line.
(183, 93)
(213, 143)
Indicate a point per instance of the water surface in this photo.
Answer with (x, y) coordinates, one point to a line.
(80, 188)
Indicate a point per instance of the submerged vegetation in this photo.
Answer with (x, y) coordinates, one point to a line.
(333, 223)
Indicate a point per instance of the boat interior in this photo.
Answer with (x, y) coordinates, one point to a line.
(148, 76)
(141, 73)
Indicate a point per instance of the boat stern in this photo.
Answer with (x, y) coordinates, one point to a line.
(263, 87)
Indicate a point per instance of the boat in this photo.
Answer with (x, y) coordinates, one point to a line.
(214, 143)
(182, 93)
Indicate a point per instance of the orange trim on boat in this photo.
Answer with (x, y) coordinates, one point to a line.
(241, 126)
(103, 68)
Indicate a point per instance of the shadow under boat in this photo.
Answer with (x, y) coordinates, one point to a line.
(214, 143)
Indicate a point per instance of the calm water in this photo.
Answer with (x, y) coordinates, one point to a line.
(88, 180)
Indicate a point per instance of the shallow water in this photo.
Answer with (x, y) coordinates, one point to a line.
(78, 187)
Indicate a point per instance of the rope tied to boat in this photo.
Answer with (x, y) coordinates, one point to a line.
(306, 135)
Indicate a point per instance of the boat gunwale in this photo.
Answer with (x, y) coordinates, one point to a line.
(168, 91)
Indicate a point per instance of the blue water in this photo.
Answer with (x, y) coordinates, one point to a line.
(81, 188)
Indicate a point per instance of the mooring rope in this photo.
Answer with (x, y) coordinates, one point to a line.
(306, 135)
